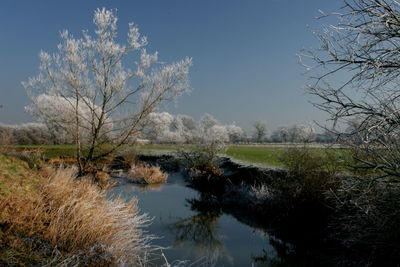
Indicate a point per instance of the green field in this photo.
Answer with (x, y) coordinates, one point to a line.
(266, 155)
(257, 155)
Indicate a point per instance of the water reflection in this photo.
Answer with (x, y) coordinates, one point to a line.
(277, 257)
(197, 229)
(201, 229)
(150, 187)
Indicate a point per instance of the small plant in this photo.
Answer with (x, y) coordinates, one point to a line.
(130, 156)
(32, 158)
(147, 174)
(261, 193)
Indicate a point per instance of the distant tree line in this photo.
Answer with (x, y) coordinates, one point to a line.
(166, 128)
(290, 134)
(180, 129)
(28, 134)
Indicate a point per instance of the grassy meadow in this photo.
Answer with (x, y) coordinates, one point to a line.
(268, 155)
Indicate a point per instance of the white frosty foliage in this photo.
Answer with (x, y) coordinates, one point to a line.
(167, 128)
(86, 86)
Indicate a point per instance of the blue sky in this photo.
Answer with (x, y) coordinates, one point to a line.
(244, 51)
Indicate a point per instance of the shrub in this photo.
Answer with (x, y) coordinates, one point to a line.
(310, 174)
(34, 159)
(261, 193)
(130, 156)
(147, 174)
(201, 161)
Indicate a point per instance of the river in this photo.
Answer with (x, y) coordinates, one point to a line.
(194, 230)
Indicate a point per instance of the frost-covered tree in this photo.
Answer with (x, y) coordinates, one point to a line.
(207, 121)
(210, 139)
(216, 134)
(282, 134)
(32, 134)
(188, 122)
(294, 134)
(300, 134)
(6, 135)
(328, 136)
(167, 128)
(260, 131)
(109, 101)
(189, 128)
(25, 134)
(354, 74)
(59, 117)
(235, 133)
(157, 126)
(212, 136)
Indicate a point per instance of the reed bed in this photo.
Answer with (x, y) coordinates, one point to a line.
(68, 221)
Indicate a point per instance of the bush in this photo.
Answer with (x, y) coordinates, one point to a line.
(202, 160)
(311, 174)
(130, 156)
(32, 158)
(260, 194)
(147, 174)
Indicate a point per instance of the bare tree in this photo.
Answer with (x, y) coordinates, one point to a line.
(260, 131)
(355, 75)
(300, 134)
(109, 102)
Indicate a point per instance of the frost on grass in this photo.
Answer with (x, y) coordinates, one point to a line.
(260, 193)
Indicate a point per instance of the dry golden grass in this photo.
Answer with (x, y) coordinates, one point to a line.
(58, 161)
(147, 174)
(73, 218)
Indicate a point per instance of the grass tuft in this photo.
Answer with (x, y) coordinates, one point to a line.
(147, 174)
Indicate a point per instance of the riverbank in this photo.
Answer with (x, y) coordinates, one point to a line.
(318, 216)
(314, 214)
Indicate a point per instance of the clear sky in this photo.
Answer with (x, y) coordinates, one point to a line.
(244, 51)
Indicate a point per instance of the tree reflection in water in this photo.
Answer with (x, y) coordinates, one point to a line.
(151, 187)
(201, 230)
(266, 258)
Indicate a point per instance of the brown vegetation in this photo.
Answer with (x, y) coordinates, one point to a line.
(147, 174)
(201, 162)
(52, 218)
(57, 161)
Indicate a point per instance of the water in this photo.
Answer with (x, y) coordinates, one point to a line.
(192, 229)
